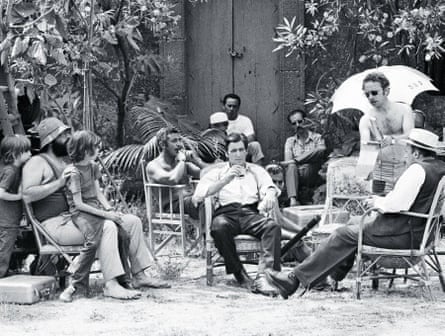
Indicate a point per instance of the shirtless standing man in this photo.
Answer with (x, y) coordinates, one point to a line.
(387, 122)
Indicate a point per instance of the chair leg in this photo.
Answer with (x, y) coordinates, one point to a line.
(375, 281)
(435, 264)
(209, 268)
(426, 279)
(358, 278)
(391, 281)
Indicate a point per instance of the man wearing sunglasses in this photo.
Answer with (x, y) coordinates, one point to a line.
(304, 153)
(387, 122)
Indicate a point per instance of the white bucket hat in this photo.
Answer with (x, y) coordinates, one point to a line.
(218, 117)
(422, 138)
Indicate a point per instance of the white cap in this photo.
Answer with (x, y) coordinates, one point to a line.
(218, 117)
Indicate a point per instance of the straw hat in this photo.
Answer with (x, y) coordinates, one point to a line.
(422, 138)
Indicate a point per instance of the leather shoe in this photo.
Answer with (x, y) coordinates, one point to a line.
(243, 279)
(286, 283)
(262, 286)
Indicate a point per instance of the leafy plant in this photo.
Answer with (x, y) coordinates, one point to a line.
(341, 37)
(58, 48)
(147, 120)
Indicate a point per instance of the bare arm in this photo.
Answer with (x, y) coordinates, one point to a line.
(101, 197)
(6, 196)
(158, 174)
(73, 186)
(193, 170)
(364, 128)
(407, 123)
(251, 138)
(32, 178)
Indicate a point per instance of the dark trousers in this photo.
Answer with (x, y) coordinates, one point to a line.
(335, 255)
(92, 232)
(304, 173)
(7, 241)
(234, 219)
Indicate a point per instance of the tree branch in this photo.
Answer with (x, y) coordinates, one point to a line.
(33, 21)
(104, 83)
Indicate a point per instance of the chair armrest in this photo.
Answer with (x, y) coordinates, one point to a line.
(414, 214)
(208, 210)
(173, 186)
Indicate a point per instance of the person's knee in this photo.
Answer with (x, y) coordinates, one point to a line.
(219, 225)
(132, 221)
(272, 226)
(109, 228)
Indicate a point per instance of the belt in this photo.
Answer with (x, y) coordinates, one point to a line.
(237, 206)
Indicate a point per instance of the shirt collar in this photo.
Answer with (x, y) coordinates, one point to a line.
(310, 137)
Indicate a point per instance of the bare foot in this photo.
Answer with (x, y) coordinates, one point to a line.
(142, 280)
(114, 290)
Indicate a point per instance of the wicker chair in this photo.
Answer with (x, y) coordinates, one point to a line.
(345, 196)
(246, 245)
(415, 259)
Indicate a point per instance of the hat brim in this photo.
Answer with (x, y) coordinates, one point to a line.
(419, 145)
(54, 134)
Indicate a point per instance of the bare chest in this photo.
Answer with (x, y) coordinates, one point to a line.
(390, 124)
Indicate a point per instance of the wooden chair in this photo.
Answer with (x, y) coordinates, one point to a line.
(415, 259)
(167, 224)
(48, 247)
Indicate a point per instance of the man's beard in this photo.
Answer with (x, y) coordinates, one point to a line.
(60, 148)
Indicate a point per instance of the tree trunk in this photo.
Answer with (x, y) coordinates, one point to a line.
(121, 107)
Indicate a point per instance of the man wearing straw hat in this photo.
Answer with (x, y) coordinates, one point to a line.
(414, 191)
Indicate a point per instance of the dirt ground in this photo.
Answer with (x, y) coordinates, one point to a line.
(192, 308)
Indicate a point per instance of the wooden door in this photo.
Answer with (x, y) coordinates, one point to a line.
(229, 49)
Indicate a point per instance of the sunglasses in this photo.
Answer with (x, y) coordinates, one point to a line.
(224, 123)
(371, 93)
(297, 122)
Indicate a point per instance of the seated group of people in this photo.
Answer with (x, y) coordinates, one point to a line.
(67, 200)
(245, 192)
(304, 152)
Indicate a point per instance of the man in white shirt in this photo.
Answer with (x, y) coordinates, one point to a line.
(242, 190)
(414, 191)
(239, 123)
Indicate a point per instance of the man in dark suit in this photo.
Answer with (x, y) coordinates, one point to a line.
(414, 191)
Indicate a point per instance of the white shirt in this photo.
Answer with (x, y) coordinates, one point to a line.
(245, 190)
(241, 124)
(405, 191)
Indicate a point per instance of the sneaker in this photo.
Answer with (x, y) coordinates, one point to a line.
(67, 294)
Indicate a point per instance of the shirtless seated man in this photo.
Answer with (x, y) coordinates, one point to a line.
(387, 122)
(173, 166)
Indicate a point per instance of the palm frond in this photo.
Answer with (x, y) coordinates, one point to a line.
(147, 120)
